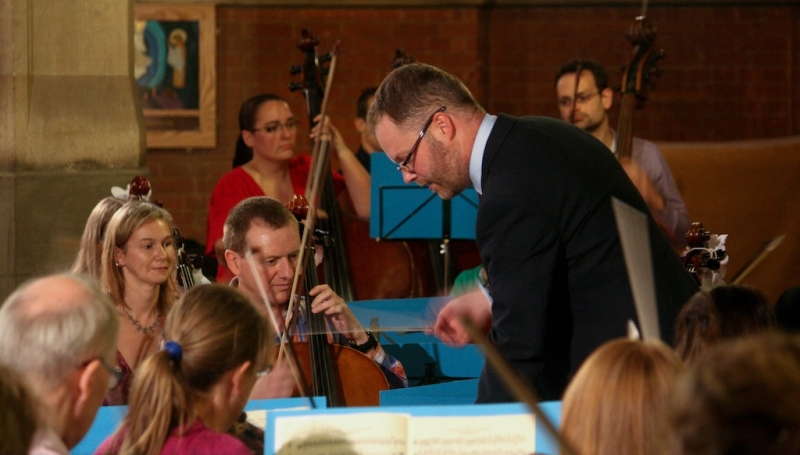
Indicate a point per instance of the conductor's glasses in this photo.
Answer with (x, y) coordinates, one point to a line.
(404, 166)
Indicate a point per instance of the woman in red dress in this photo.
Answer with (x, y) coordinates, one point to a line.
(269, 130)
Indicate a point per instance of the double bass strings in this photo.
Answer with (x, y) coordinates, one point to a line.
(398, 316)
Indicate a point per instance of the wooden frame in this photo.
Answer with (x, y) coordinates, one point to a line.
(178, 91)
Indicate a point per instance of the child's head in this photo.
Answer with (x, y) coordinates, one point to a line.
(215, 342)
(615, 402)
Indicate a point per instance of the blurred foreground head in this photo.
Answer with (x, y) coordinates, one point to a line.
(741, 397)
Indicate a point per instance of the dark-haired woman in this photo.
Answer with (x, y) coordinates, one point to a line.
(269, 128)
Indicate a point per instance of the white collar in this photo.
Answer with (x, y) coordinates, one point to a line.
(478, 148)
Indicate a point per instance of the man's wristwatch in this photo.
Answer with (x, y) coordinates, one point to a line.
(368, 345)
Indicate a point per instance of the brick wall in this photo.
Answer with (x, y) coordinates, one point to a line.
(728, 73)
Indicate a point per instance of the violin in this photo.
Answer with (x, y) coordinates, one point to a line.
(705, 256)
(188, 263)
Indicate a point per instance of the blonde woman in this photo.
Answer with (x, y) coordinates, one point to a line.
(89, 258)
(138, 272)
(616, 402)
(186, 396)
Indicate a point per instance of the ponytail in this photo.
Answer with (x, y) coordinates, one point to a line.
(158, 403)
(210, 331)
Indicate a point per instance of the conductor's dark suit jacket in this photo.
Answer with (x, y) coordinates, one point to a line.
(547, 235)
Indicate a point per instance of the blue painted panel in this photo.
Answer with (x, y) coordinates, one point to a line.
(453, 392)
(417, 349)
(104, 425)
(109, 417)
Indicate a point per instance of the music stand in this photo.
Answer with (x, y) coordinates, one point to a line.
(401, 211)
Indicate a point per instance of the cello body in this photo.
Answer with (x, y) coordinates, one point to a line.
(358, 378)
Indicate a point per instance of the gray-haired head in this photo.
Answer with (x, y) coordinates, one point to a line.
(51, 325)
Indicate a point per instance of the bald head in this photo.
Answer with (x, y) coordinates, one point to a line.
(52, 324)
(53, 294)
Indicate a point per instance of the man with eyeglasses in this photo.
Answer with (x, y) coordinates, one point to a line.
(557, 283)
(585, 103)
(59, 333)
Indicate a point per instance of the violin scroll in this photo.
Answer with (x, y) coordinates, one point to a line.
(313, 69)
(140, 188)
(705, 256)
(298, 205)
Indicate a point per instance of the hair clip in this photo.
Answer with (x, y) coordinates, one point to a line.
(173, 350)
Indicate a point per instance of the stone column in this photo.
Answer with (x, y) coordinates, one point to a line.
(69, 127)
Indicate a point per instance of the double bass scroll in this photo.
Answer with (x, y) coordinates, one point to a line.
(637, 77)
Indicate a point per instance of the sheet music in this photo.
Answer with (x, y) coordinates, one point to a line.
(342, 434)
(473, 435)
(400, 434)
(259, 417)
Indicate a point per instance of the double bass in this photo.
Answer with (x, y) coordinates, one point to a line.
(344, 375)
(637, 76)
(386, 269)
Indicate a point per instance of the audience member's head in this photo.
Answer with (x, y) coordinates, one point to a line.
(741, 397)
(89, 257)
(18, 418)
(787, 310)
(60, 334)
(139, 247)
(215, 344)
(725, 312)
(616, 402)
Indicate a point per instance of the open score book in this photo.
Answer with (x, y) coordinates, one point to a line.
(416, 430)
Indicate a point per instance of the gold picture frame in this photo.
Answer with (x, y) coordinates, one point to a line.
(175, 72)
